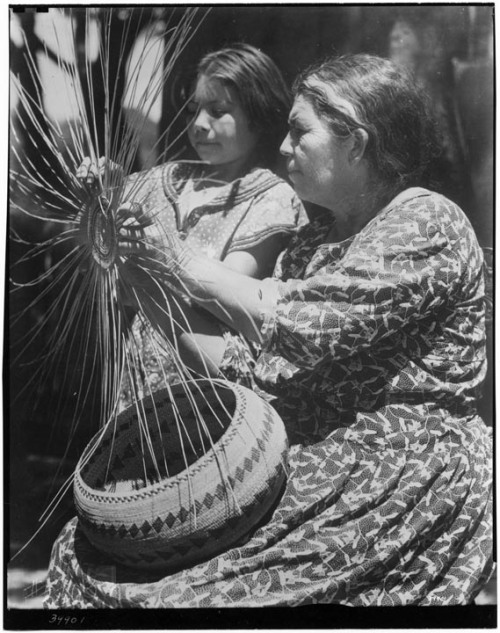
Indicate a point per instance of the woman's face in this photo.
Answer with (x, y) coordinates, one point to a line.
(219, 129)
(317, 160)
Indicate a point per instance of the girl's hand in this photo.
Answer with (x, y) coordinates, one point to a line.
(155, 261)
(90, 173)
(131, 222)
(143, 237)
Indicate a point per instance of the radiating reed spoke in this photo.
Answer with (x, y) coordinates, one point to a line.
(89, 285)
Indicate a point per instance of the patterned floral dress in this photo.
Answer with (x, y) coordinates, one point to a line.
(374, 356)
(232, 217)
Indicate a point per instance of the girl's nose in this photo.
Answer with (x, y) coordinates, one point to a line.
(201, 120)
(286, 147)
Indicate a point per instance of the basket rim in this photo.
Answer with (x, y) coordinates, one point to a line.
(190, 471)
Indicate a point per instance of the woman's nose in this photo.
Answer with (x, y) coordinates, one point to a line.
(286, 146)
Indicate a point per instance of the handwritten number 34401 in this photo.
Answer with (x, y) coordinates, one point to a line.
(65, 619)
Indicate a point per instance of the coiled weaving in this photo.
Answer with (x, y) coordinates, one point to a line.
(195, 489)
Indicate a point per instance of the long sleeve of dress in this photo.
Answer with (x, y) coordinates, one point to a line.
(408, 263)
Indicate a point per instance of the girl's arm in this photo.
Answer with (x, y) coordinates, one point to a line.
(200, 341)
(257, 261)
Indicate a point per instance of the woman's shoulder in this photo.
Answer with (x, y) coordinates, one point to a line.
(420, 216)
(426, 207)
(425, 199)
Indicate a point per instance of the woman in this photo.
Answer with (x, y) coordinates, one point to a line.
(373, 352)
(228, 205)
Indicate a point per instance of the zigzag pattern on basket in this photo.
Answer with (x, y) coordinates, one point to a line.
(230, 477)
(220, 492)
(182, 550)
(188, 546)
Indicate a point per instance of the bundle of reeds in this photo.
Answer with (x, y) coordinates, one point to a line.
(102, 250)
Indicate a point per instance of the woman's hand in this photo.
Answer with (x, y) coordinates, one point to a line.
(90, 174)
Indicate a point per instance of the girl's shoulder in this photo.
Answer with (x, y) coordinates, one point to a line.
(171, 171)
(175, 175)
(256, 182)
(270, 191)
(262, 180)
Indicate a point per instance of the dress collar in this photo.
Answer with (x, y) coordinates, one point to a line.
(176, 175)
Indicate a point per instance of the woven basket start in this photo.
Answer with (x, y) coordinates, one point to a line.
(210, 466)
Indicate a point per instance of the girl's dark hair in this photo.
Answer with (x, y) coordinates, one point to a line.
(261, 90)
(386, 102)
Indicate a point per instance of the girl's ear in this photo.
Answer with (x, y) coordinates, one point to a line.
(359, 141)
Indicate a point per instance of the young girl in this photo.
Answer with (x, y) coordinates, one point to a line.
(229, 205)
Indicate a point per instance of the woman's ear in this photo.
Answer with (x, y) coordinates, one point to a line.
(359, 141)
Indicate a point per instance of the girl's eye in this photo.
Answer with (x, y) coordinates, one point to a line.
(192, 110)
(217, 113)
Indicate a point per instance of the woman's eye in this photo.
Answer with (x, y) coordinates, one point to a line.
(295, 132)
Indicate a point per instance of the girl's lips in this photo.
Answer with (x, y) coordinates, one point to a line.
(205, 143)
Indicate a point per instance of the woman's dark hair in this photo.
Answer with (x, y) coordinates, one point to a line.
(385, 101)
(261, 90)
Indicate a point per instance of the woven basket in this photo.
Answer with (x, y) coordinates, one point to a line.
(145, 517)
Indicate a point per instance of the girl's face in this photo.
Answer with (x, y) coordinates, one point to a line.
(317, 160)
(219, 129)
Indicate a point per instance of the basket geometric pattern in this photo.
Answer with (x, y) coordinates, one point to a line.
(142, 516)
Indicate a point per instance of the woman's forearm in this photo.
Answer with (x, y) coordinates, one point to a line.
(237, 300)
